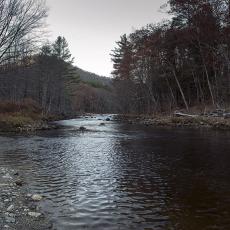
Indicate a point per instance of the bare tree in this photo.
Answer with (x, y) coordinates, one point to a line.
(20, 21)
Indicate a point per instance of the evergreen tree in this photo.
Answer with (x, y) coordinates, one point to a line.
(61, 50)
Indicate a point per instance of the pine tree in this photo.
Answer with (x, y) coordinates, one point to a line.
(122, 59)
(61, 50)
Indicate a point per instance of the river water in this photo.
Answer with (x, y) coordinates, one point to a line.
(121, 176)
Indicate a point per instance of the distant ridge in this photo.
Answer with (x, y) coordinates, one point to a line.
(89, 77)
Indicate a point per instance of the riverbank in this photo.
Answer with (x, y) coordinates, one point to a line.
(199, 121)
(25, 116)
(18, 208)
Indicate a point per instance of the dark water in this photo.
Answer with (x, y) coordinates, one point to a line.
(121, 176)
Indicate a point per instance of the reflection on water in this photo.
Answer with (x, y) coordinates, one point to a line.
(120, 176)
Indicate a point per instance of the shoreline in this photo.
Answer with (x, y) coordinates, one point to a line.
(173, 121)
(18, 208)
(198, 121)
(47, 123)
(29, 128)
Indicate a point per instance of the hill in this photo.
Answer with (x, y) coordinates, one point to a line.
(89, 77)
(92, 93)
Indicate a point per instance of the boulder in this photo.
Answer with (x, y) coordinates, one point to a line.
(82, 128)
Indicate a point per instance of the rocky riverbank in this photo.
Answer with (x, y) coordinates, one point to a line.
(19, 210)
(27, 127)
(199, 121)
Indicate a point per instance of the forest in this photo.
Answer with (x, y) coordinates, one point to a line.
(181, 63)
(40, 74)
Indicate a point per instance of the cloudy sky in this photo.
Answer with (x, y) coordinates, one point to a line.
(92, 27)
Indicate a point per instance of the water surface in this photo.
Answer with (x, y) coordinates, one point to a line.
(121, 176)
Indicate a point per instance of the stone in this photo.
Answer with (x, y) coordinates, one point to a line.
(19, 182)
(226, 115)
(36, 197)
(10, 208)
(82, 128)
(7, 176)
(34, 214)
(108, 119)
(10, 219)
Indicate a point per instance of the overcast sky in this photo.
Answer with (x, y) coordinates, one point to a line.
(92, 27)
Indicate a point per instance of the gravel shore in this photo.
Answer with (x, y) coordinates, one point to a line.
(19, 210)
(174, 121)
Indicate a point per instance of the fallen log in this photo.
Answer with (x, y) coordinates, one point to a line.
(179, 114)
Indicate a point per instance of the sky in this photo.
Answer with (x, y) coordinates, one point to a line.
(91, 27)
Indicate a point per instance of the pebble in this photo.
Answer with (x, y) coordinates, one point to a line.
(19, 182)
(36, 197)
(10, 208)
(10, 219)
(34, 214)
(7, 176)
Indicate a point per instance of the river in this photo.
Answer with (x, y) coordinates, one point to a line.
(122, 176)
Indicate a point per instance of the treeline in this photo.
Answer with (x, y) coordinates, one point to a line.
(29, 69)
(45, 77)
(180, 63)
(39, 71)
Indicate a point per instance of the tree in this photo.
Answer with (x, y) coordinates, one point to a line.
(19, 21)
(183, 62)
(61, 50)
(122, 58)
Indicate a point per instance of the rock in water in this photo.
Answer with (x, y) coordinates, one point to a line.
(36, 197)
(82, 128)
(19, 182)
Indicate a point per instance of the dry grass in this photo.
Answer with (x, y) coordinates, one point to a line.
(19, 114)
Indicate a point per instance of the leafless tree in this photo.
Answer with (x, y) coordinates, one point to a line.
(20, 20)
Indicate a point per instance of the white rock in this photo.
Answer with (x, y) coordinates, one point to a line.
(7, 176)
(34, 214)
(36, 197)
(10, 208)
